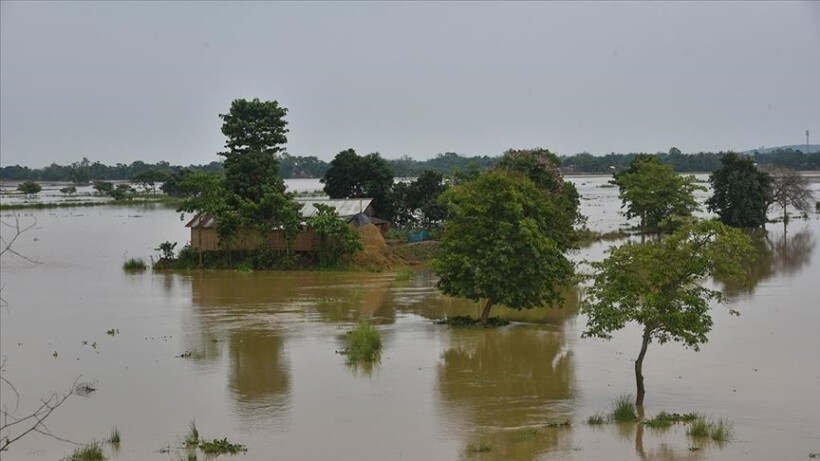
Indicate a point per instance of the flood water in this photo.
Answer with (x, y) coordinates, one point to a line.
(260, 365)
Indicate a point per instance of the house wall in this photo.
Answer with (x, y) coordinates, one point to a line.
(207, 240)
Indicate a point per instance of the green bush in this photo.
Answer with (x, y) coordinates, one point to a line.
(29, 188)
(90, 452)
(623, 409)
(364, 344)
(134, 265)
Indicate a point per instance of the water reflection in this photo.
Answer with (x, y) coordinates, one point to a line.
(779, 252)
(259, 374)
(503, 385)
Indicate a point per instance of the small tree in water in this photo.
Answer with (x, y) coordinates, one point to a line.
(660, 285)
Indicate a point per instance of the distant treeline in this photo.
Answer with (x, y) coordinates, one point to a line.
(447, 163)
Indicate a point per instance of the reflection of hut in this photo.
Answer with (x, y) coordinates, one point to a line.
(355, 212)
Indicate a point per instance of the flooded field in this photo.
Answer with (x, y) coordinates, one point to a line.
(253, 356)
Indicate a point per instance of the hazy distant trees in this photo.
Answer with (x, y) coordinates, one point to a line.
(29, 188)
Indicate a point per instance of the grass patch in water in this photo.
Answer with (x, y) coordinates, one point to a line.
(664, 420)
(623, 410)
(467, 321)
(114, 438)
(90, 452)
(134, 265)
(192, 439)
(221, 447)
(720, 431)
(596, 419)
(480, 448)
(405, 274)
(363, 344)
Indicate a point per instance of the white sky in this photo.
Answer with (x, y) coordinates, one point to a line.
(119, 82)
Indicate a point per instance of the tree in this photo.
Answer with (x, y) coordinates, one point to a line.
(29, 188)
(504, 242)
(352, 176)
(416, 202)
(148, 179)
(741, 193)
(337, 241)
(654, 193)
(661, 286)
(103, 187)
(791, 188)
(69, 190)
(256, 131)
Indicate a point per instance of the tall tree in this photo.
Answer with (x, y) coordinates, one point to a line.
(791, 188)
(503, 243)
(354, 176)
(416, 202)
(741, 193)
(654, 193)
(662, 287)
(256, 132)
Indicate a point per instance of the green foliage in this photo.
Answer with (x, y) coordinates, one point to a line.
(114, 438)
(364, 344)
(596, 419)
(148, 179)
(405, 274)
(192, 439)
(741, 193)
(69, 190)
(337, 240)
(166, 250)
(369, 176)
(623, 410)
(504, 243)
(221, 447)
(416, 203)
(465, 321)
(661, 286)
(480, 448)
(664, 419)
(255, 132)
(122, 192)
(134, 265)
(719, 431)
(90, 452)
(103, 187)
(655, 193)
(29, 188)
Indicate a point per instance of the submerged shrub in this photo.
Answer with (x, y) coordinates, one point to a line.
(134, 265)
(364, 343)
(596, 419)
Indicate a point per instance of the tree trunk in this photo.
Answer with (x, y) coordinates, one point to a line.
(639, 368)
(485, 313)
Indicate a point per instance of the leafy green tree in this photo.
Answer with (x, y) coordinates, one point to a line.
(29, 188)
(354, 176)
(103, 187)
(337, 240)
(741, 193)
(504, 242)
(149, 178)
(655, 194)
(416, 202)
(122, 192)
(255, 132)
(542, 168)
(662, 287)
(69, 190)
(791, 188)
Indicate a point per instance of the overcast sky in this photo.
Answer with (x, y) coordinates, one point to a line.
(119, 82)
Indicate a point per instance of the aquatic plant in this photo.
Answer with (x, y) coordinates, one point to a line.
(467, 321)
(596, 419)
(192, 439)
(480, 448)
(664, 419)
(364, 343)
(90, 452)
(623, 409)
(114, 438)
(405, 274)
(134, 265)
(221, 447)
(720, 431)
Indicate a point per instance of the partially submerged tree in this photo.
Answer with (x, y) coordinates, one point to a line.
(741, 193)
(791, 188)
(662, 287)
(504, 243)
(29, 188)
(655, 194)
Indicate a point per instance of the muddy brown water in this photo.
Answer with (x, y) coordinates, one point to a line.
(263, 368)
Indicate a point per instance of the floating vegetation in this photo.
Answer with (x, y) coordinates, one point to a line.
(192, 439)
(90, 452)
(467, 321)
(188, 355)
(364, 344)
(85, 388)
(480, 448)
(221, 447)
(597, 419)
(114, 438)
(112, 331)
(664, 420)
(720, 431)
(405, 274)
(134, 265)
